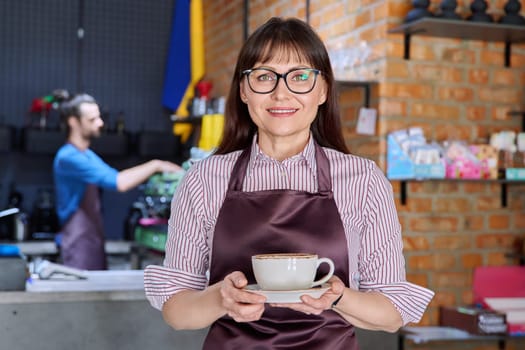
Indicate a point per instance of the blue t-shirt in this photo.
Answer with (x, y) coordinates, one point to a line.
(73, 170)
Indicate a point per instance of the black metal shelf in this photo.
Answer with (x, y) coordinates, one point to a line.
(502, 182)
(519, 256)
(365, 85)
(519, 113)
(462, 29)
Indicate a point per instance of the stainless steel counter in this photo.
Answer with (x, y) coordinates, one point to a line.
(34, 248)
(99, 285)
(133, 252)
(108, 310)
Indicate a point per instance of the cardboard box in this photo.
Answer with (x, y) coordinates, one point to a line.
(473, 320)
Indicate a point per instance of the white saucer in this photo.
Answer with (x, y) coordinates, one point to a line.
(287, 296)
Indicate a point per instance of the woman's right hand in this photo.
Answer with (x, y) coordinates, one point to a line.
(239, 304)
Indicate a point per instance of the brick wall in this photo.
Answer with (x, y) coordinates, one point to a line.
(454, 89)
(451, 88)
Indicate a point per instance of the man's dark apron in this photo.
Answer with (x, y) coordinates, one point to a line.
(82, 243)
(279, 221)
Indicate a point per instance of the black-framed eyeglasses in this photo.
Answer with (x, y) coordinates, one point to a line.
(297, 80)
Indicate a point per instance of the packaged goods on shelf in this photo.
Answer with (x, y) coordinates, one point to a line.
(409, 156)
(488, 157)
(515, 173)
(511, 154)
(465, 161)
(521, 142)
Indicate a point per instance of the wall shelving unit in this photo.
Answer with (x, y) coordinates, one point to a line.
(466, 30)
(503, 183)
(365, 85)
(462, 29)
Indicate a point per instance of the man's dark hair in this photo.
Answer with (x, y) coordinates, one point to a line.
(70, 106)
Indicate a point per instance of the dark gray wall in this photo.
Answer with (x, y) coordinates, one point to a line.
(120, 61)
(38, 53)
(126, 44)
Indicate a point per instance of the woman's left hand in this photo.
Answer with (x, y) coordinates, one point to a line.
(315, 306)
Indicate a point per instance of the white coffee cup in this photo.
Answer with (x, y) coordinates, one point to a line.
(289, 271)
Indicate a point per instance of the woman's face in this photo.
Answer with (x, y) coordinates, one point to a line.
(283, 116)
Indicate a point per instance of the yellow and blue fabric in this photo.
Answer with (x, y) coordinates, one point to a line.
(211, 131)
(185, 64)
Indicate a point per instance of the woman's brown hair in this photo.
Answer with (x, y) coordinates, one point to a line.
(294, 38)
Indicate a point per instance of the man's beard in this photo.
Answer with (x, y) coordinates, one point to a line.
(93, 135)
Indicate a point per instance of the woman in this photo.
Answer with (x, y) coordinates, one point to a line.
(282, 180)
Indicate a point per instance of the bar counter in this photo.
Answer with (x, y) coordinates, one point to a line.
(108, 310)
(99, 285)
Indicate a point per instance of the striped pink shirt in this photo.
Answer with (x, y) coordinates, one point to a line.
(363, 197)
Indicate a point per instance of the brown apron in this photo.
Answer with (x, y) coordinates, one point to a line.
(82, 244)
(279, 221)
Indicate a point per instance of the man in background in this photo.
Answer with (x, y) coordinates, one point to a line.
(78, 174)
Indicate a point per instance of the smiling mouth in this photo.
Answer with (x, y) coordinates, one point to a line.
(282, 110)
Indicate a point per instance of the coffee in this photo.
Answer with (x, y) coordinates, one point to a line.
(289, 271)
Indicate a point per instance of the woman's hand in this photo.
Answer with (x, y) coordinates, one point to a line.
(315, 306)
(239, 304)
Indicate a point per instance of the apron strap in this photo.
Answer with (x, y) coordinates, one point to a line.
(239, 171)
(323, 170)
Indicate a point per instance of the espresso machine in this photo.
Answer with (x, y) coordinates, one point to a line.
(14, 221)
(147, 220)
